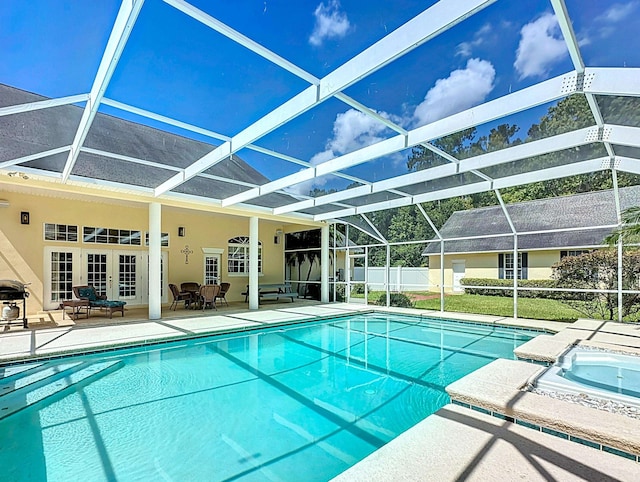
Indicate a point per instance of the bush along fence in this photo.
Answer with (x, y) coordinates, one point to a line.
(500, 287)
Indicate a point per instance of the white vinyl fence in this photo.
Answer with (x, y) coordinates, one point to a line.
(400, 278)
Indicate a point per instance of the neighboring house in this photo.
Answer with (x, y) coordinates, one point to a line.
(557, 227)
(55, 236)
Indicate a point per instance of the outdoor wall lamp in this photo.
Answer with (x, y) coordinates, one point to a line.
(278, 236)
(24, 217)
(181, 231)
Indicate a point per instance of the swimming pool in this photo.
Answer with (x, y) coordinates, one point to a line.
(303, 402)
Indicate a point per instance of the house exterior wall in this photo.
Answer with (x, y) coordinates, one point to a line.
(485, 265)
(23, 247)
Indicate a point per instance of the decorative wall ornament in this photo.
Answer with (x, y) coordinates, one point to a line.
(186, 251)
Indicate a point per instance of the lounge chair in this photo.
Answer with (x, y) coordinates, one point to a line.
(98, 301)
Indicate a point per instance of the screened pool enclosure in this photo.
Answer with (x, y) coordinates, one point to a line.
(376, 132)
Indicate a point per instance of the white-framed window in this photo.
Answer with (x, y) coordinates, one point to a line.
(507, 268)
(238, 258)
(164, 239)
(573, 252)
(60, 232)
(212, 265)
(126, 237)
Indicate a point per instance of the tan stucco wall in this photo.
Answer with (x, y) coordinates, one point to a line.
(22, 246)
(540, 263)
(485, 265)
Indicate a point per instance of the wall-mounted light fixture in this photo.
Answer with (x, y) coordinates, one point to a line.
(24, 217)
(181, 231)
(278, 236)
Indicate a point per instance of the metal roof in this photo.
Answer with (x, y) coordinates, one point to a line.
(57, 141)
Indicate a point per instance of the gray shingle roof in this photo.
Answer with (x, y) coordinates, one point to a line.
(576, 211)
(37, 131)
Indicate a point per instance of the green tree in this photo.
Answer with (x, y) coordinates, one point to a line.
(598, 270)
(630, 229)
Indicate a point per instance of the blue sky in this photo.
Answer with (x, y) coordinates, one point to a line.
(174, 66)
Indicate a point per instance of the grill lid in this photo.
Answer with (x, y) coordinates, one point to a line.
(12, 289)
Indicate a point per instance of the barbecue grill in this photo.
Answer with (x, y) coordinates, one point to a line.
(12, 291)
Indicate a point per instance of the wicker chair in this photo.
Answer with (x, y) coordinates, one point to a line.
(208, 294)
(179, 296)
(224, 287)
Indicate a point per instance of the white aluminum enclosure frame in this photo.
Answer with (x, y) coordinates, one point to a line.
(582, 80)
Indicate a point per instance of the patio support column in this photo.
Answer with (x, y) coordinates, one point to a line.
(253, 263)
(620, 246)
(347, 266)
(155, 261)
(516, 264)
(442, 275)
(515, 275)
(324, 264)
(387, 275)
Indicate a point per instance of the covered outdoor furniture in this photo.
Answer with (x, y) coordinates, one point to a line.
(208, 294)
(224, 287)
(98, 301)
(273, 292)
(179, 296)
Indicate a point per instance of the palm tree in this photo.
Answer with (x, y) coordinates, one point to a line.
(630, 228)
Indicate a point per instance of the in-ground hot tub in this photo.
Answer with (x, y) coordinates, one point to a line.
(595, 373)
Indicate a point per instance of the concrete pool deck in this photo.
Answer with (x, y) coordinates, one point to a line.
(457, 442)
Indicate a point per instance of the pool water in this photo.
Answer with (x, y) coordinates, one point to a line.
(303, 402)
(595, 373)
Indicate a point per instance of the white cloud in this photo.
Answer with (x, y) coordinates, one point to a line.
(465, 49)
(618, 12)
(541, 46)
(463, 88)
(351, 130)
(330, 23)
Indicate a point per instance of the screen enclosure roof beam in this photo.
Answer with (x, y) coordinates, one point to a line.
(127, 15)
(426, 25)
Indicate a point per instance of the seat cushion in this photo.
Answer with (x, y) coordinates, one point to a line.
(88, 293)
(108, 303)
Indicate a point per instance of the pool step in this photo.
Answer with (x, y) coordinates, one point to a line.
(51, 379)
(23, 379)
(13, 371)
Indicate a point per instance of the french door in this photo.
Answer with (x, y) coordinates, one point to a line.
(119, 274)
(116, 274)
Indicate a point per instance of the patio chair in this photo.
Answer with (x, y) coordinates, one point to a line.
(179, 296)
(98, 301)
(208, 294)
(224, 287)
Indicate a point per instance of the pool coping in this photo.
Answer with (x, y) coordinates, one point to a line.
(36, 344)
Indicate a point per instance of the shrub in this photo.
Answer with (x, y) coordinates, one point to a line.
(522, 283)
(395, 299)
(598, 270)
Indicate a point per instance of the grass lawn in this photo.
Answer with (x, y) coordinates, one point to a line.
(539, 309)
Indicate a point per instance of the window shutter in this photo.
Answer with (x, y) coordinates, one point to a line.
(501, 266)
(525, 265)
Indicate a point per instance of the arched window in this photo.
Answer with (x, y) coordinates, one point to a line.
(238, 259)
